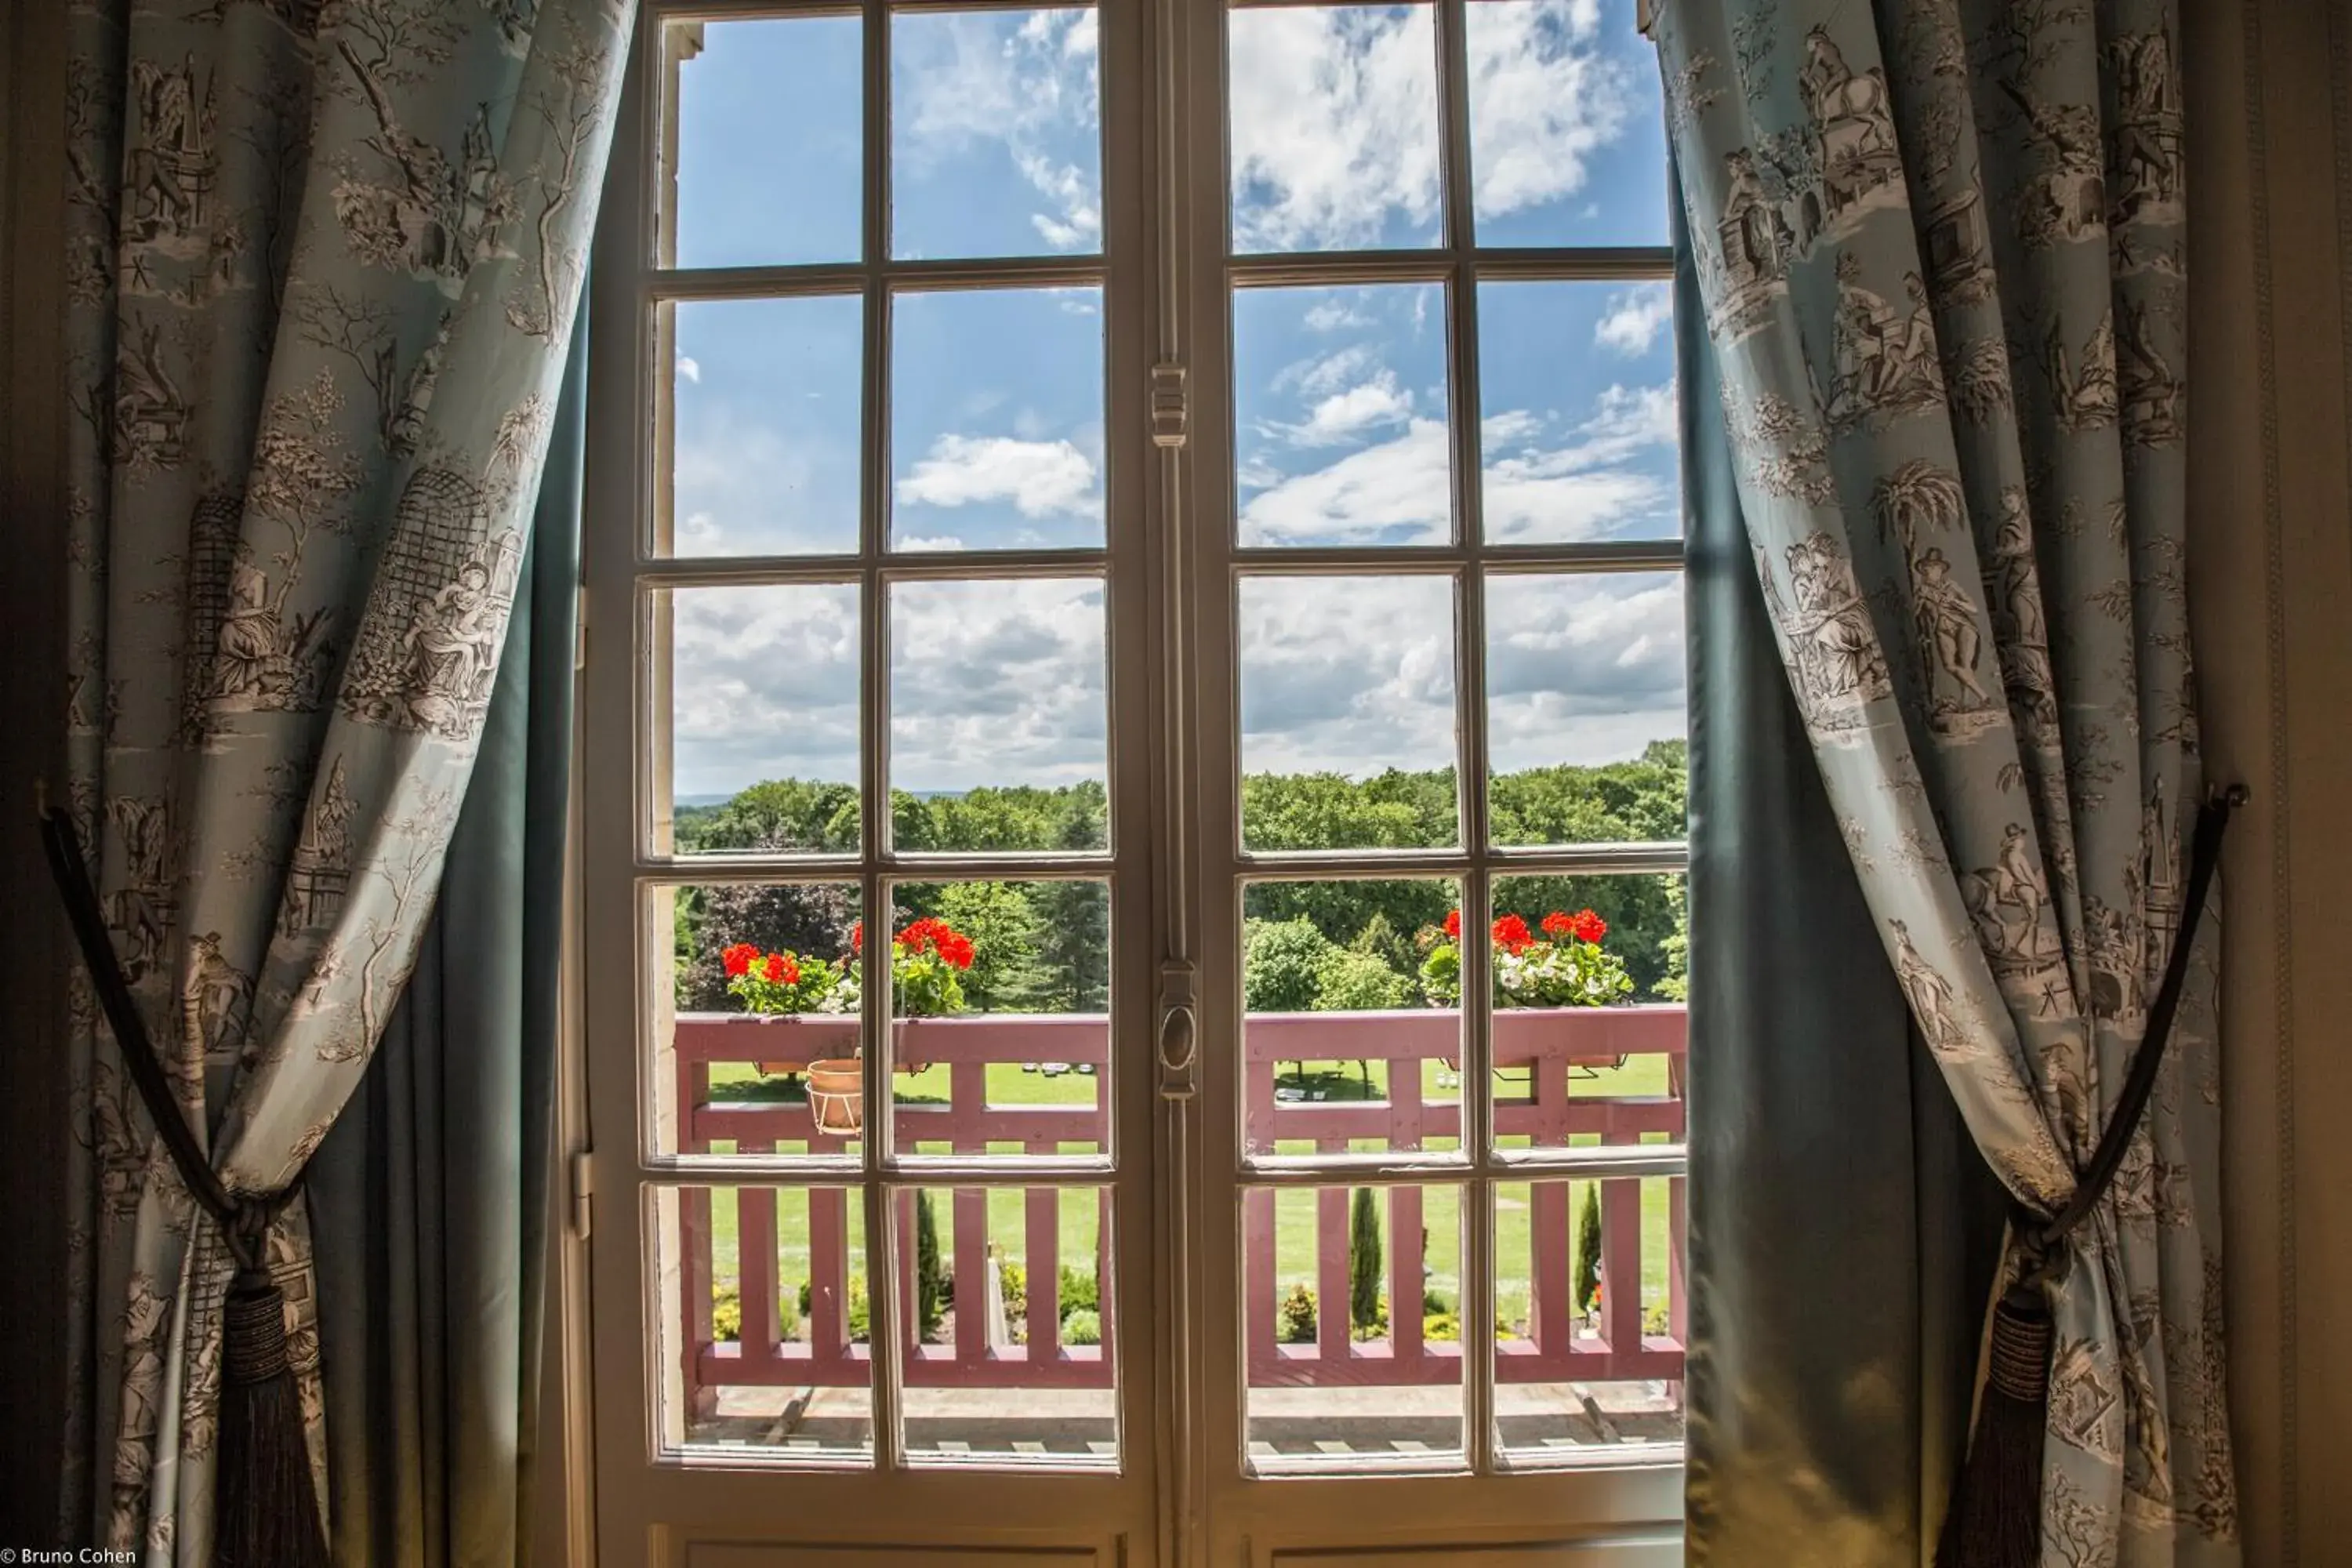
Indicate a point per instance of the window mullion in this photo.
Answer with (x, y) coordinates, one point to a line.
(884, 1333)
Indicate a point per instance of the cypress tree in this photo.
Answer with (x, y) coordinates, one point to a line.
(930, 1274)
(1587, 1248)
(1364, 1262)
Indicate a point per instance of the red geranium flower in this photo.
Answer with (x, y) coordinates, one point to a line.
(1556, 924)
(1453, 925)
(1511, 934)
(955, 947)
(857, 937)
(778, 970)
(1590, 927)
(739, 958)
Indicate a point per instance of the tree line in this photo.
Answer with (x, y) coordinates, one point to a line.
(1043, 946)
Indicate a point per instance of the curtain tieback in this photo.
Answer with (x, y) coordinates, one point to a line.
(265, 1505)
(1995, 1517)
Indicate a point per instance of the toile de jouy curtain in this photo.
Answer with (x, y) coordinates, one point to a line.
(323, 264)
(1939, 249)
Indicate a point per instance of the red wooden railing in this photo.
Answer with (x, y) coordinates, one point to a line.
(1548, 1047)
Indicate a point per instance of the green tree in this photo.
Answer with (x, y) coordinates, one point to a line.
(1008, 973)
(1364, 1261)
(810, 919)
(1587, 1276)
(778, 813)
(1350, 982)
(1282, 964)
(932, 1286)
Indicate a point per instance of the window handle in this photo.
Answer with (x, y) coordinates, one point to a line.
(1178, 1031)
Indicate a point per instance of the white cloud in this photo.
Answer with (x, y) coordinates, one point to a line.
(1350, 675)
(1400, 490)
(1634, 319)
(1334, 126)
(689, 369)
(997, 682)
(1344, 415)
(1331, 316)
(1335, 117)
(1544, 99)
(1031, 90)
(1395, 492)
(1039, 478)
(1580, 489)
(764, 685)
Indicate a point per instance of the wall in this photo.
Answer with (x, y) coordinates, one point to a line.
(32, 730)
(2270, 105)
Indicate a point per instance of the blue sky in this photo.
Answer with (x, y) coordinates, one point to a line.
(1341, 404)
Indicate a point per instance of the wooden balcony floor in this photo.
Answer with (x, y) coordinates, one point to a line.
(1285, 1421)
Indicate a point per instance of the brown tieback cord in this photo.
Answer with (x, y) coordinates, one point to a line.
(264, 1507)
(1995, 1517)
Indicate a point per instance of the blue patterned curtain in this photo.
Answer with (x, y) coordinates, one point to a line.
(323, 265)
(1941, 251)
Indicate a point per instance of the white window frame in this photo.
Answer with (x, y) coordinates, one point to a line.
(1187, 1492)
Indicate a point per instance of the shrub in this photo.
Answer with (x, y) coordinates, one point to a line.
(1281, 965)
(1080, 1292)
(1014, 1280)
(1364, 1261)
(1588, 1249)
(857, 1312)
(1435, 1302)
(726, 1314)
(1441, 1326)
(1381, 938)
(1082, 1328)
(1349, 982)
(1298, 1316)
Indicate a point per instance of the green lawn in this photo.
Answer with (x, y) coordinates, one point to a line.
(1295, 1226)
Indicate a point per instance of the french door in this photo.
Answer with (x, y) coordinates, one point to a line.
(1119, 532)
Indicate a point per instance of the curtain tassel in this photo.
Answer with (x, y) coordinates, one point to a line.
(264, 1507)
(1995, 1518)
(265, 1504)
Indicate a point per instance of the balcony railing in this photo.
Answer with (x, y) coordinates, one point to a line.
(1539, 1054)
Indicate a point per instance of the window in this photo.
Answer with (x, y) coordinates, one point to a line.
(1117, 538)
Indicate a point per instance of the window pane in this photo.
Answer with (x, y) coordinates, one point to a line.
(796, 84)
(1589, 1291)
(763, 1319)
(1352, 1039)
(1352, 1319)
(1589, 975)
(764, 400)
(1008, 1306)
(1586, 710)
(996, 427)
(763, 717)
(996, 134)
(755, 1025)
(1339, 415)
(1335, 143)
(1003, 1002)
(1578, 414)
(1568, 136)
(1347, 722)
(998, 716)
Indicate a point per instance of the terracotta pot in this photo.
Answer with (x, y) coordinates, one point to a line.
(837, 1096)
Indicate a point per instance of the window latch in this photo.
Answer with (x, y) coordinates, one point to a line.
(1178, 1031)
(1171, 407)
(583, 1190)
